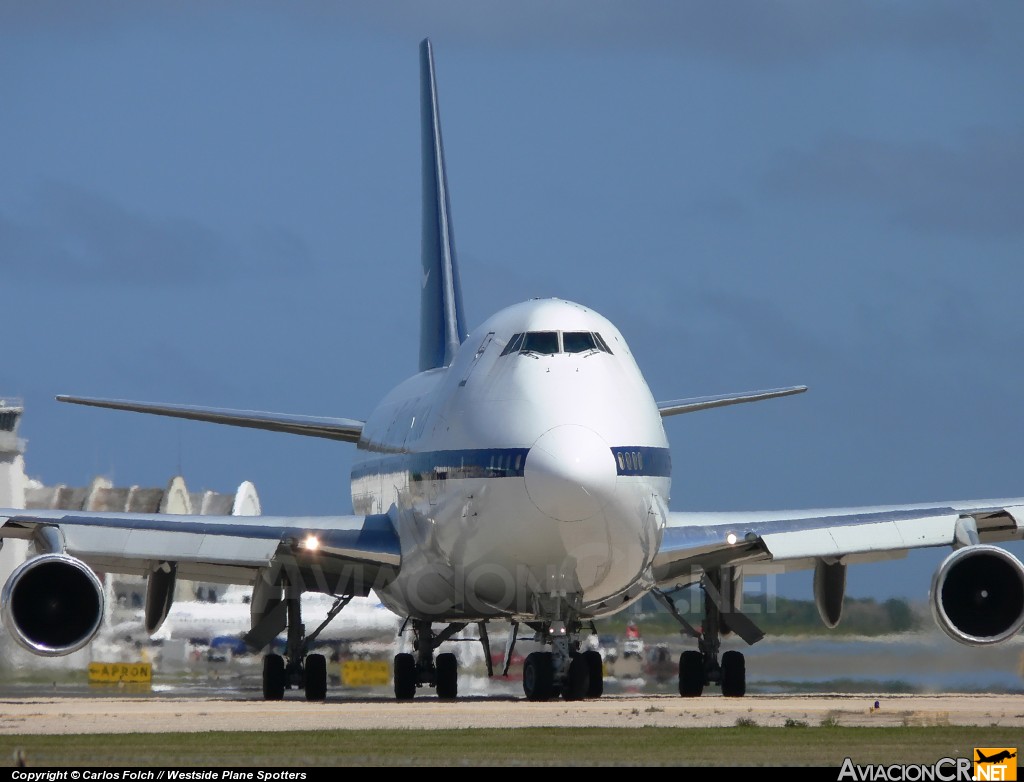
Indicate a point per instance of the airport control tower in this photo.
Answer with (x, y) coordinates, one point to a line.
(12, 477)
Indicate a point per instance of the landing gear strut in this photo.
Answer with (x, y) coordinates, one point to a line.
(702, 667)
(297, 668)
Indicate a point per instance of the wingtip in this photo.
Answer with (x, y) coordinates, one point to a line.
(74, 400)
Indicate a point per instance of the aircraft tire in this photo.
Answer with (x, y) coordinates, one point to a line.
(405, 676)
(691, 674)
(595, 688)
(538, 676)
(447, 676)
(316, 677)
(734, 674)
(273, 677)
(578, 682)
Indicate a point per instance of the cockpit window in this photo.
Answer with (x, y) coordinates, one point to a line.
(513, 344)
(578, 341)
(544, 342)
(551, 342)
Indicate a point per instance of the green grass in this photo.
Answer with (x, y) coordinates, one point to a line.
(744, 745)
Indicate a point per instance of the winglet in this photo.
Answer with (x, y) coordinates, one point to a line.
(442, 325)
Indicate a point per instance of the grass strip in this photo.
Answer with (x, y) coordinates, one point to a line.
(796, 744)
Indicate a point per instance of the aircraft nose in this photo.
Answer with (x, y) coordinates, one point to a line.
(570, 473)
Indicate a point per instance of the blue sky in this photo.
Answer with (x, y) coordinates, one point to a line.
(218, 203)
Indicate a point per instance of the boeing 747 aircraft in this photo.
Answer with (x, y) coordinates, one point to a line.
(521, 476)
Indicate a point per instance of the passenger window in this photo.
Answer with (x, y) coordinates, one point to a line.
(578, 341)
(544, 342)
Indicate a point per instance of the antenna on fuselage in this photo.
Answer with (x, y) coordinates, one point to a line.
(442, 324)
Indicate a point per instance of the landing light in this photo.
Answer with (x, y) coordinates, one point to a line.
(731, 538)
(311, 543)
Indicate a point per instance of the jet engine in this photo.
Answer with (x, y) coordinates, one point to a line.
(52, 604)
(977, 595)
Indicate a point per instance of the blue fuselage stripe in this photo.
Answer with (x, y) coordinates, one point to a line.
(499, 463)
(642, 460)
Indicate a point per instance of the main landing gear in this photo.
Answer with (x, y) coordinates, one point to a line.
(296, 668)
(423, 670)
(563, 671)
(702, 667)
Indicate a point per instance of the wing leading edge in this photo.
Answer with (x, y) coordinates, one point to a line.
(677, 406)
(344, 429)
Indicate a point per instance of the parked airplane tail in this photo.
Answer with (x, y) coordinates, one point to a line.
(442, 323)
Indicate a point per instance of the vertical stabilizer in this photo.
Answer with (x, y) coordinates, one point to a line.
(442, 324)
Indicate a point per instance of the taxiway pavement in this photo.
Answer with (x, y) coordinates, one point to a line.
(67, 715)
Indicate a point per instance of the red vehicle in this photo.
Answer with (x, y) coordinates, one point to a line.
(634, 644)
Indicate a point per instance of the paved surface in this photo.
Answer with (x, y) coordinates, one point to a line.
(62, 715)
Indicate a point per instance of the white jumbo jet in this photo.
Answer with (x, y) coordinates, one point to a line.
(521, 476)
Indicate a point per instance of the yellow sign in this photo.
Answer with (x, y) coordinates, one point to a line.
(113, 673)
(995, 763)
(365, 673)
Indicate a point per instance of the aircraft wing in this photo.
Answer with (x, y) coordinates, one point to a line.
(779, 541)
(677, 406)
(345, 429)
(333, 554)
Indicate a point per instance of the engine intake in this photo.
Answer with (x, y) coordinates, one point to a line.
(977, 595)
(52, 604)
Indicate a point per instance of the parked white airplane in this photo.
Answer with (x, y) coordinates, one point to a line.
(523, 476)
(366, 618)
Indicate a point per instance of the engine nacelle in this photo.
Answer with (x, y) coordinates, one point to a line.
(52, 604)
(977, 595)
(829, 591)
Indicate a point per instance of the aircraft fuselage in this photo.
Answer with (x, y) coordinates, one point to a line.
(526, 480)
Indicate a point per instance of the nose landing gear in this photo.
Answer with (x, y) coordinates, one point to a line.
(565, 670)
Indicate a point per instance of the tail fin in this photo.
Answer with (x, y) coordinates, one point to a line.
(442, 324)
